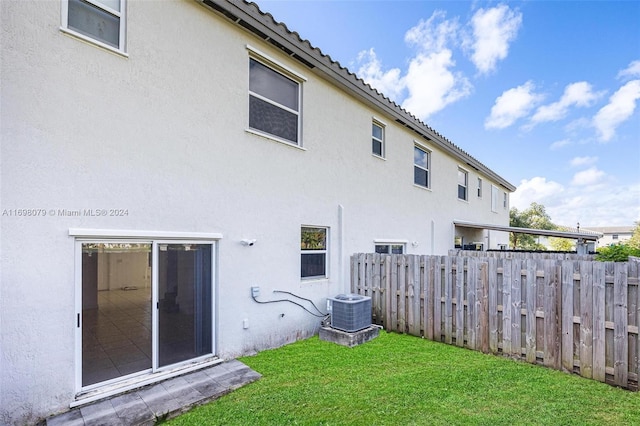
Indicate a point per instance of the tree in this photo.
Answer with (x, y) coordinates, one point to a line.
(634, 241)
(534, 217)
(562, 244)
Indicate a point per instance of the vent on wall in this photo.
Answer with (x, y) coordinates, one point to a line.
(350, 312)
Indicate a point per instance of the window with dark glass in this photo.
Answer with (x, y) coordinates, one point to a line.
(377, 139)
(421, 160)
(313, 247)
(463, 177)
(390, 248)
(274, 102)
(100, 20)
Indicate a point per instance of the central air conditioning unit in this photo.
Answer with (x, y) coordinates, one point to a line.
(350, 312)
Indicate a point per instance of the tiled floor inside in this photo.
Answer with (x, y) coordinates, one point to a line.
(116, 337)
(167, 399)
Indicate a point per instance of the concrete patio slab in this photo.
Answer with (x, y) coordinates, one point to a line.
(170, 398)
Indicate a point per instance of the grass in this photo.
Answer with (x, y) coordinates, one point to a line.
(403, 380)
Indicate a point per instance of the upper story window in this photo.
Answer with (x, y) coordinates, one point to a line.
(313, 248)
(100, 22)
(421, 166)
(377, 139)
(463, 182)
(479, 187)
(614, 237)
(505, 200)
(274, 103)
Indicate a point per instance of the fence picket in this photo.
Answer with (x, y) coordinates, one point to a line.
(459, 301)
(530, 333)
(567, 315)
(620, 352)
(493, 304)
(586, 319)
(507, 306)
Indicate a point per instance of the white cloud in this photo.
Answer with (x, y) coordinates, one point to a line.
(512, 105)
(536, 189)
(430, 80)
(493, 30)
(569, 205)
(583, 161)
(590, 177)
(560, 144)
(390, 83)
(434, 34)
(579, 94)
(620, 108)
(432, 85)
(632, 71)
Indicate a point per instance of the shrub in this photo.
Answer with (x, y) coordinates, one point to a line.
(616, 253)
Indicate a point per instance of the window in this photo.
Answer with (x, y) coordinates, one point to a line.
(421, 164)
(479, 188)
(313, 247)
(614, 237)
(505, 200)
(377, 139)
(390, 248)
(494, 199)
(274, 103)
(98, 21)
(463, 177)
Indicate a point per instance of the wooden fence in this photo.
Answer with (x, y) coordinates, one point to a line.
(575, 315)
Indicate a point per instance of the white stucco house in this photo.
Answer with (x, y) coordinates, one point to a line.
(160, 159)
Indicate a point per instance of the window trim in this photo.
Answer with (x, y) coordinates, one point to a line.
(287, 72)
(466, 185)
(325, 251)
(122, 16)
(389, 243)
(383, 128)
(429, 153)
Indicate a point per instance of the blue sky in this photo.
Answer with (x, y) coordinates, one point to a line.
(545, 93)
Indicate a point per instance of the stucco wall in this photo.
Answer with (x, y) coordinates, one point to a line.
(162, 134)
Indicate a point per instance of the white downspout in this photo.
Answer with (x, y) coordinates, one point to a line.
(341, 267)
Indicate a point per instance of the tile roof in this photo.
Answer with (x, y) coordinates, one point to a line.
(249, 16)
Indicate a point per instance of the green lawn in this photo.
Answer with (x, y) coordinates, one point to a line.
(403, 380)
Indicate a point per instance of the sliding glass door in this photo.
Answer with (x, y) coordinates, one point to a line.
(145, 306)
(184, 295)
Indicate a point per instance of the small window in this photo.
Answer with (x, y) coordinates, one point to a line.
(313, 247)
(390, 248)
(377, 139)
(479, 188)
(505, 200)
(614, 237)
(494, 199)
(101, 21)
(463, 179)
(274, 103)
(421, 167)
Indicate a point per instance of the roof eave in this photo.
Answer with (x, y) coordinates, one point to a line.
(263, 25)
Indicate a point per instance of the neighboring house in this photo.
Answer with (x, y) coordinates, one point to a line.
(160, 159)
(612, 234)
